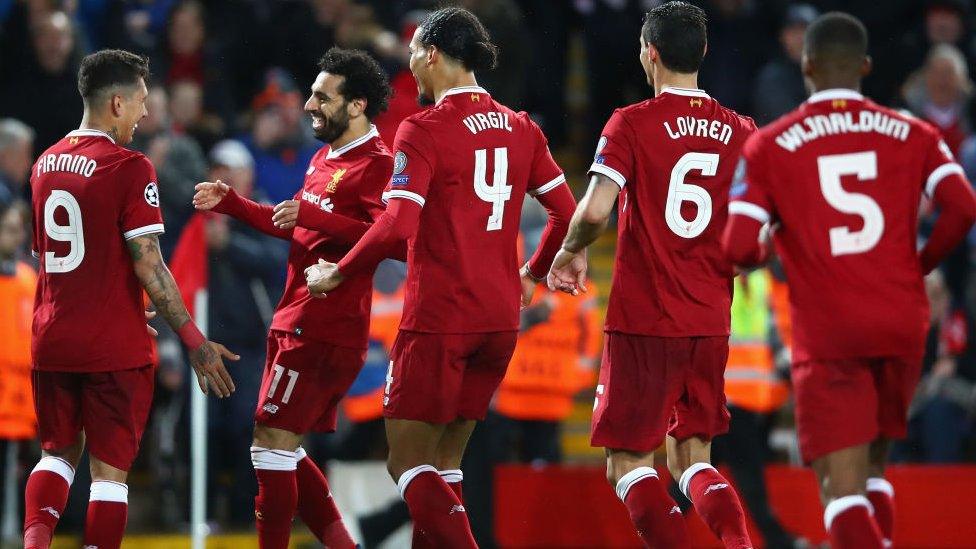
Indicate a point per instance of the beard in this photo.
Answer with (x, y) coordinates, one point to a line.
(332, 127)
(424, 101)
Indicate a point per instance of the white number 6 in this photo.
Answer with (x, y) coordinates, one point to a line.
(679, 192)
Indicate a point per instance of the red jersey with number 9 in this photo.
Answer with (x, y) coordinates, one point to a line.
(842, 178)
(90, 196)
(469, 162)
(674, 157)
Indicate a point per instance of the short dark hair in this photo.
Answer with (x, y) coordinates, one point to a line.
(837, 39)
(364, 78)
(679, 32)
(459, 34)
(106, 69)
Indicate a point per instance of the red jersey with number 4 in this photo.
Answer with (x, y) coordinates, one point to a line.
(842, 178)
(90, 196)
(674, 157)
(469, 162)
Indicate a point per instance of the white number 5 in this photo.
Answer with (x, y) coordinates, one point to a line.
(71, 233)
(865, 166)
(499, 192)
(680, 192)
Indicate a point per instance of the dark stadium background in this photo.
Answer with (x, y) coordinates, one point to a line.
(239, 70)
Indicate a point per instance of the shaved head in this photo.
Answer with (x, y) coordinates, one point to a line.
(837, 41)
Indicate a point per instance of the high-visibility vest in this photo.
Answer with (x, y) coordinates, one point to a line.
(550, 361)
(751, 381)
(383, 327)
(17, 419)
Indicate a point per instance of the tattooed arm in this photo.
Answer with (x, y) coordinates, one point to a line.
(205, 356)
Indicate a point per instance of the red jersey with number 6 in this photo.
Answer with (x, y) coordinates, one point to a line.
(469, 162)
(841, 178)
(674, 157)
(90, 196)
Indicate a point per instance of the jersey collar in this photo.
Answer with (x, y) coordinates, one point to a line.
(335, 153)
(835, 94)
(463, 89)
(687, 92)
(85, 132)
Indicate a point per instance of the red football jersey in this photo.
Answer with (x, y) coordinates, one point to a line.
(90, 196)
(841, 178)
(348, 181)
(469, 162)
(674, 157)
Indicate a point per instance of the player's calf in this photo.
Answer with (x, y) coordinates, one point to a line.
(848, 514)
(657, 518)
(275, 461)
(45, 499)
(316, 506)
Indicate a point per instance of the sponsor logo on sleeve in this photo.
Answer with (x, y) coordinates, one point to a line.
(597, 157)
(399, 180)
(151, 194)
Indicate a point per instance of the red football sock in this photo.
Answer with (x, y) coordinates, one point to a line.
(436, 511)
(850, 526)
(717, 504)
(454, 478)
(316, 506)
(44, 500)
(277, 499)
(881, 494)
(656, 516)
(108, 508)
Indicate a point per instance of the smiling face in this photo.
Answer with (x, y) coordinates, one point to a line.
(421, 69)
(128, 108)
(328, 108)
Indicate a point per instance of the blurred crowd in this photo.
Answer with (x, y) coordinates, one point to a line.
(229, 78)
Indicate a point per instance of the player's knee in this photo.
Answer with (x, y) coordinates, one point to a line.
(103, 471)
(275, 439)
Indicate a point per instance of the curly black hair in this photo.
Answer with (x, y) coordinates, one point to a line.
(459, 34)
(678, 31)
(364, 79)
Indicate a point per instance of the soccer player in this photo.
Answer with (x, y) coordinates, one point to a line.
(670, 159)
(96, 211)
(839, 179)
(461, 172)
(316, 347)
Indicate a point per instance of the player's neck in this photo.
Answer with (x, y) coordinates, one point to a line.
(462, 79)
(93, 122)
(836, 84)
(357, 128)
(668, 79)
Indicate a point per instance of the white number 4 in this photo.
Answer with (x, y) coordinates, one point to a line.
(680, 192)
(499, 192)
(292, 379)
(865, 166)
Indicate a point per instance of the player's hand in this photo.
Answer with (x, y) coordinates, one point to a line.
(285, 214)
(149, 316)
(529, 284)
(322, 278)
(209, 366)
(568, 272)
(209, 194)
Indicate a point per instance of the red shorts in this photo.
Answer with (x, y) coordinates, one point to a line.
(848, 402)
(111, 408)
(303, 382)
(652, 386)
(438, 378)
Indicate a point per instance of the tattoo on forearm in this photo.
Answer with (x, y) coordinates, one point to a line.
(157, 280)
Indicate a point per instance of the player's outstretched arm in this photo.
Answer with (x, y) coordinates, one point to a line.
(219, 197)
(559, 204)
(205, 356)
(957, 212)
(568, 272)
(743, 242)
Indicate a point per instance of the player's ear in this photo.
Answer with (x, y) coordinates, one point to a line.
(356, 107)
(433, 55)
(117, 104)
(866, 65)
(806, 65)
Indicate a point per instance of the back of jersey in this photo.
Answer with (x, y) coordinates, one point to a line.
(469, 161)
(674, 157)
(842, 178)
(89, 196)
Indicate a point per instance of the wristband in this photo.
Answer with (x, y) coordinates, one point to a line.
(191, 336)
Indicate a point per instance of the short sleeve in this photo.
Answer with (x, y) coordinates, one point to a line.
(749, 194)
(939, 165)
(614, 156)
(140, 214)
(545, 174)
(414, 161)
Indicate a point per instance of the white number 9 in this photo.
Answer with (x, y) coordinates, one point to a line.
(71, 233)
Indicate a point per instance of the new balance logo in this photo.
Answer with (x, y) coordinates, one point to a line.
(674, 510)
(54, 512)
(456, 509)
(714, 487)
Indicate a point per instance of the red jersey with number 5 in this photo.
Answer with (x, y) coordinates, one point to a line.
(841, 178)
(469, 162)
(674, 157)
(90, 196)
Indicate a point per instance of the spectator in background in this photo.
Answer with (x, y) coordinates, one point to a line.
(45, 96)
(939, 92)
(737, 47)
(506, 25)
(779, 86)
(245, 280)
(16, 157)
(179, 164)
(279, 142)
(187, 110)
